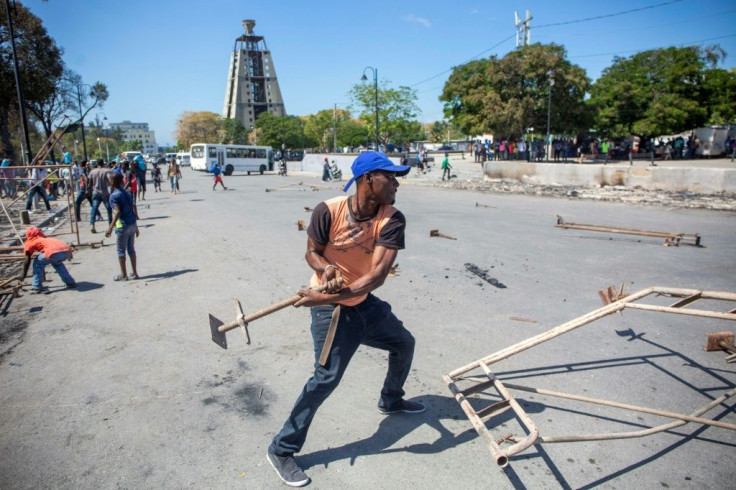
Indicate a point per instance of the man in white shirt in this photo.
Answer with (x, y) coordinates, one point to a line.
(37, 181)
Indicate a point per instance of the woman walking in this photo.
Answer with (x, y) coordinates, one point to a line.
(174, 176)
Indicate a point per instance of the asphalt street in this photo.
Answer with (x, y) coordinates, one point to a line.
(118, 384)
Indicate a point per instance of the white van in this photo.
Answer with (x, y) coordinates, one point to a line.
(184, 159)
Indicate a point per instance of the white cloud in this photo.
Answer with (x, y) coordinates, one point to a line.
(418, 20)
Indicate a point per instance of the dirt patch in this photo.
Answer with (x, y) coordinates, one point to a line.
(12, 331)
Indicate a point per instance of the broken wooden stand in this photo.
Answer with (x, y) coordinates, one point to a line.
(670, 238)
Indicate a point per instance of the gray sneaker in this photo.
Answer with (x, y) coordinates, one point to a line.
(405, 406)
(287, 469)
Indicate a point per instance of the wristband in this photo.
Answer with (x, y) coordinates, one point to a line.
(328, 266)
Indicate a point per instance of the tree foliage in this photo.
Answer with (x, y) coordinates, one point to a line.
(397, 109)
(39, 64)
(663, 91)
(325, 125)
(275, 131)
(509, 95)
(68, 97)
(233, 132)
(352, 132)
(198, 127)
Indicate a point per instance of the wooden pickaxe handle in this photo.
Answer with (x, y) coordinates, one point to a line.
(245, 320)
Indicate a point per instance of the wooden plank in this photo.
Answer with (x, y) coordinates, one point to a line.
(687, 300)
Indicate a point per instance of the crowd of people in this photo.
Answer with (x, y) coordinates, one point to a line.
(116, 186)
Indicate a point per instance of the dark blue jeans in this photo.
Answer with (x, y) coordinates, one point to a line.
(370, 323)
(37, 190)
(81, 196)
(96, 200)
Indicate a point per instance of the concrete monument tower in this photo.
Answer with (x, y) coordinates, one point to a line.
(252, 86)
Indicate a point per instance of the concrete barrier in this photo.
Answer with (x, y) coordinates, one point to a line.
(313, 162)
(705, 180)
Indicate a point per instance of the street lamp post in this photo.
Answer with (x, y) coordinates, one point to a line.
(104, 123)
(549, 109)
(334, 129)
(99, 147)
(18, 87)
(375, 86)
(81, 115)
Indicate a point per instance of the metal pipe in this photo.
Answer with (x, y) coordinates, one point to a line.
(625, 406)
(550, 334)
(684, 311)
(498, 454)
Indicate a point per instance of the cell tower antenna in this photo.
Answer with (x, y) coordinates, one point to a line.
(523, 29)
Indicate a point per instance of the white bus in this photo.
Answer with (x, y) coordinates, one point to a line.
(232, 158)
(128, 156)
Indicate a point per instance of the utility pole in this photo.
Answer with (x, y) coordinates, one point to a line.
(19, 89)
(550, 74)
(334, 129)
(81, 118)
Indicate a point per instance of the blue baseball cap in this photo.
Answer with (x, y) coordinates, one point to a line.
(369, 161)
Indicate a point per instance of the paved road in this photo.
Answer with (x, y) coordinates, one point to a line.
(118, 385)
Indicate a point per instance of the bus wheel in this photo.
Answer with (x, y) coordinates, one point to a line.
(262, 169)
(229, 169)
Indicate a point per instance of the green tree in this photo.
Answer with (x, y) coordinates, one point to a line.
(39, 64)
(132, 145)
(353, 133)
(408, 131)
(234, 132)
(275, 131)
(718, 95)
(661, 91)
(396, 108)
(324, 125)
(509, 95)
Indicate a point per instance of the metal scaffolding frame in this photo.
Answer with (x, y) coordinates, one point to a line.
(479, 418)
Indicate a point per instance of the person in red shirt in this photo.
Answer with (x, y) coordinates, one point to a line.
(50, 251)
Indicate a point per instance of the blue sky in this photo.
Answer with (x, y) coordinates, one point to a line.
(162, 57)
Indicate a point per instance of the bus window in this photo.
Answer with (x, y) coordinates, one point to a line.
(197, 151)
(213, 152)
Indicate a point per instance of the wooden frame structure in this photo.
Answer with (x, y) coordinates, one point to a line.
(479, 418)
(670, 238)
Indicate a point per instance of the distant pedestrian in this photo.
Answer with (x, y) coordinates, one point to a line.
(37, 181)
(7, 172)
(446, 167)
(605, 148)
(50, 251)
(99, 184)
(174, 176)
(130, 179)
(140, 168)
(125, 217)
(326, 171)
(217, 173)
(156, 177)
(84, 191)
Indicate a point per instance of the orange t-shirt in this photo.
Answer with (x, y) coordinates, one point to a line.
(36, 241)
(349, 242)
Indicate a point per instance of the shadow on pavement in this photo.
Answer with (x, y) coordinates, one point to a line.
(83, 286)
(393, 428)
(166, 275)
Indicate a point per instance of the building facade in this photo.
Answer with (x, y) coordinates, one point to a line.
(252, 86)
(137, 131)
